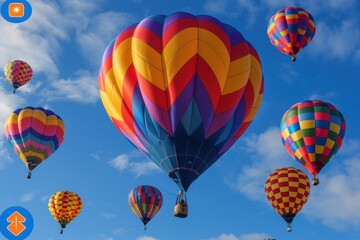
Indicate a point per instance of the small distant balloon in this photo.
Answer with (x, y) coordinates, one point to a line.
(291, 29)
(287, 190)
(145, 202)
(18, 73)
(35, 134)
(64, 206)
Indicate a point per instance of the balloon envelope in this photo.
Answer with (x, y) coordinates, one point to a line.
(182, 89)
(145, 202)
(287, 190)
(312, 132)
(18, 73)
(291, 29)
(64, 206)
(34, 133)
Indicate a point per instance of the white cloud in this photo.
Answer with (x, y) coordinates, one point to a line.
(324, 96)
(147, 238)
(215, 7)
(8, 103)
(82, 88)
(250, 236)
(343, 40)
(335, 202)
(99, 32)
(28, 197)
(124, 162)
(268, 154)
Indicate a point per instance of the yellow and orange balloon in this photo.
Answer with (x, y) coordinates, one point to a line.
(64, 206)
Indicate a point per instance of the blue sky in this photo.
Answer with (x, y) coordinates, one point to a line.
(64, 40)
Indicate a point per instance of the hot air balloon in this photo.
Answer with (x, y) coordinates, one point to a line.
(64, 206)
(145, 202)
(312, 132)
(182, 89)
(287, 190)
(291, 29)
(18, 73)
(35, 134)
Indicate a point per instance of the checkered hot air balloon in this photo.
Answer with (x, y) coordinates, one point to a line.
(35, 134)
(145, 202)
(312, 132)
(182, 89)
(64, 206)
(287, 190)
(18, 73)
(291, 29)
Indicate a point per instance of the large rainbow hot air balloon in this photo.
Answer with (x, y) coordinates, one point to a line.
(64, 206)
(287, 190)
(182, 89)
(18, 73)
(291, 29)
(145, 202)
(35, 134)
(312, 132)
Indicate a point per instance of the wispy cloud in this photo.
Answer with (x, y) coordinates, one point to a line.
(126, 162)
(8, 103)
(249, 236)
(98, 33)
(108, 216)
(338, 185)
(324, 97)
(337, 41)
(268, 154)
(82, 88)
(147, 238)
(28, 197)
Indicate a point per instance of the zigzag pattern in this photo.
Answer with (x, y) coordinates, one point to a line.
(182, 89)
(291, 29)
(34, 133)
(312, 132)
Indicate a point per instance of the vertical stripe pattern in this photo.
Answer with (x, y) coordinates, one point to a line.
(145, 201)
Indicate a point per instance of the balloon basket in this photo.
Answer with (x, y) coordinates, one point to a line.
(315, 181)
(181, 210)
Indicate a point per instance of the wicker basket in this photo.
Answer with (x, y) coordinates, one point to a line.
(181, 210)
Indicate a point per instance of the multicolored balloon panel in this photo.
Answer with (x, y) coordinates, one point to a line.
(145, 202)
(182, 89)
(18, 73)
(312, 132)
(291, 29)
(287, 190)
(64, 206)
(34, 133)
